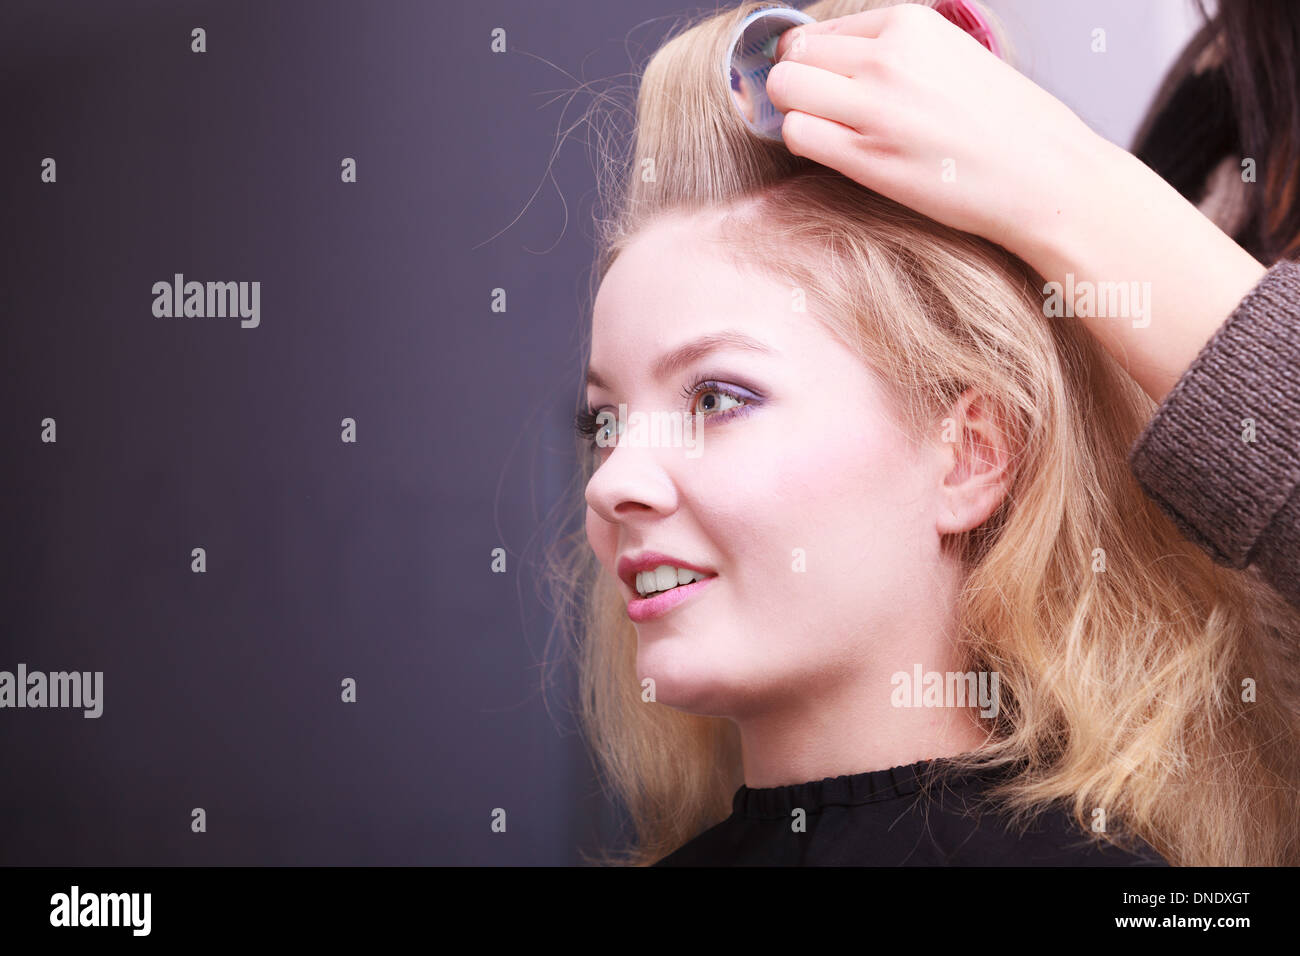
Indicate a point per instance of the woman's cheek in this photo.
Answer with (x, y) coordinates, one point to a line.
(758, 507)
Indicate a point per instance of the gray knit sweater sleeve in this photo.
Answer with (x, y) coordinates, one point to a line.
(1221, 456)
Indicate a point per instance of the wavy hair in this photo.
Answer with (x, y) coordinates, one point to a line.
(1122, 649)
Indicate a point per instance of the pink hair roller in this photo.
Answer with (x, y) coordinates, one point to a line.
(966, 16)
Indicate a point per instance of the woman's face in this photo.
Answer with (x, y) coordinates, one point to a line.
(804, 497)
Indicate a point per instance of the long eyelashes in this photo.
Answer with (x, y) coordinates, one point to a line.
(587, 423)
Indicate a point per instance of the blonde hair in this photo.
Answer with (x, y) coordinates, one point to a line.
(1121, 683)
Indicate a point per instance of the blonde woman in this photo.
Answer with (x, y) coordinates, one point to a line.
(894, 596)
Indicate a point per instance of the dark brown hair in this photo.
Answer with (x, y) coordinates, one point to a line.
(1245, 103)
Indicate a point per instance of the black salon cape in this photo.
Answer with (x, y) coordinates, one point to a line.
(882, 818)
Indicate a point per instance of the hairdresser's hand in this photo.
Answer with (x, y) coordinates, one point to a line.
(907, 104)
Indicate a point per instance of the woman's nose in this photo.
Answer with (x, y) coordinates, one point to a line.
(631, 482)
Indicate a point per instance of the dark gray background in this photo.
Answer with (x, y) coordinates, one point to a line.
(325, 560)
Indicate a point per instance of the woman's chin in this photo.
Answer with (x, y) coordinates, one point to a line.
(682, 681)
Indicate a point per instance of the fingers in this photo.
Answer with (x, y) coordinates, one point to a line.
(809, 89)
(796, 35)
(847, 56)
(867, 23)
(826, 142)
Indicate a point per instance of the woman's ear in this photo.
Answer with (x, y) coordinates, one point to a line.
(977, 463)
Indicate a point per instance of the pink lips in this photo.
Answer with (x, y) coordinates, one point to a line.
(647, 608)
(657, 605)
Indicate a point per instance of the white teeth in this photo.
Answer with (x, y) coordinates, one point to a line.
(664, 578)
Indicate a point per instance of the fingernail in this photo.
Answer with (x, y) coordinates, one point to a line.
(783, 44)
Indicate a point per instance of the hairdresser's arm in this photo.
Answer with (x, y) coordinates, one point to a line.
(1115, 220)
(906, 103)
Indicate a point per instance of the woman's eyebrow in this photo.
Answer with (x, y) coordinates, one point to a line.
(693, 351)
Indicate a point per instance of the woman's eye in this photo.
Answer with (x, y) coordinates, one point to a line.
(708, 398)
(606, 429)
(715, 400)
(599, 429)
